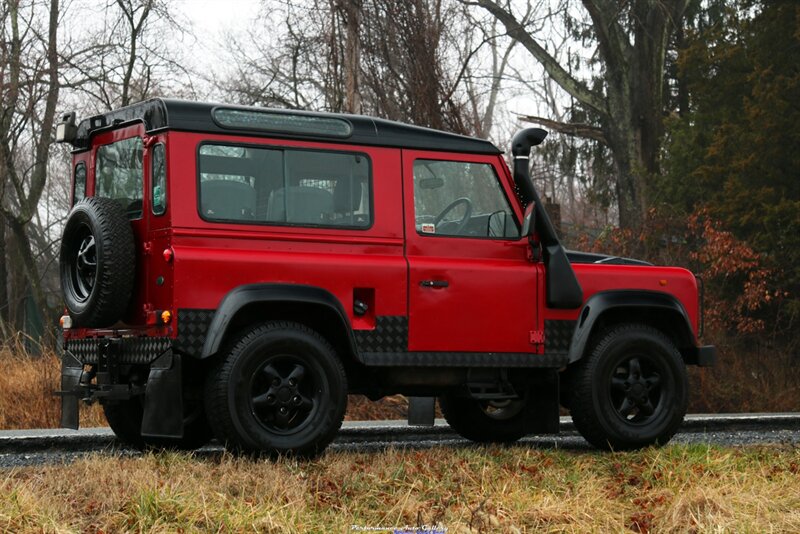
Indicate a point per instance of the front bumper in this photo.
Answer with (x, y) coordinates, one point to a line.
(705, 356)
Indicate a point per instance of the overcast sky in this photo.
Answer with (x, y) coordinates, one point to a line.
(211, 16)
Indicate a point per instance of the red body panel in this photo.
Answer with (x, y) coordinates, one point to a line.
(495, 293)
(675, 281)
(490, 302)
(213, 258)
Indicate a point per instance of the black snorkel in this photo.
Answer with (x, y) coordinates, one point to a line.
(563, 289)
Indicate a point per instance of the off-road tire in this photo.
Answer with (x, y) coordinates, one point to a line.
(125, 419)
(596, 381)
(469, 418)
(243, 424)
(104, 302)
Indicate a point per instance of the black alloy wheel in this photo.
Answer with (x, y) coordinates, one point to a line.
(284, 394)
(630, 391)
(83, 268)
(279, 388)
(635, 388)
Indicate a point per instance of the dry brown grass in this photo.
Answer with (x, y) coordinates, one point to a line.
(481, 489)
(27, 384)
(748, 377)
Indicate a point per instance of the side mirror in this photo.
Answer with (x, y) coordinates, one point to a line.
(66, 131)
(528, 222)
(497, 224)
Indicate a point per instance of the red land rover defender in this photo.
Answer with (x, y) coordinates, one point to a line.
(235, 272)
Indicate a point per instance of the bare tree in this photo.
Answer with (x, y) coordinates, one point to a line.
(298, 69)
(627, 104)
(408, 61)
(30, 91)
(127, 58)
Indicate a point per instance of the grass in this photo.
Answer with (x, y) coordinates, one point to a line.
(472, 489)
(26, 392)
(678, 488)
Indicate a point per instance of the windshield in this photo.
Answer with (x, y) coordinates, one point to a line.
(118, 174)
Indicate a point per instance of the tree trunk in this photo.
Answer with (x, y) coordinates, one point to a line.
(27, 185)
(352, 54)
(23, 246)
(629, 112)
(4, 304)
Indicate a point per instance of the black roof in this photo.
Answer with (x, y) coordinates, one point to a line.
(162, 113)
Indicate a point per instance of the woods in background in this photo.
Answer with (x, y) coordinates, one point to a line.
(673, 123)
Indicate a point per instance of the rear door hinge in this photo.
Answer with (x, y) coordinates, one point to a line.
(537, 337)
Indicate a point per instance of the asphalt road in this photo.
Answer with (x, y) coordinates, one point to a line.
(36, 447)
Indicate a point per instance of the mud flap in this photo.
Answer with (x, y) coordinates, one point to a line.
(71, 371)
(163, 398)
(542, 406)
(421, 411)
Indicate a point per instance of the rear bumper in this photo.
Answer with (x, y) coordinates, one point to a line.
(99, 369)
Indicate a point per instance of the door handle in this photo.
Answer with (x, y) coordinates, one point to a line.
(434, 283)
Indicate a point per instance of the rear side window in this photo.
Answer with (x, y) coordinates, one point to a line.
(284, 186)
(79, 186)
(159, 174)
(118, 174)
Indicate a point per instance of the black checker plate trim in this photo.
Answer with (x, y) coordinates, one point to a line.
(463, 359)
(192, 329)
(133, 350)
(389, 335)
(558, 335)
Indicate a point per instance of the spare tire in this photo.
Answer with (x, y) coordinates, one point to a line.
(97, 262)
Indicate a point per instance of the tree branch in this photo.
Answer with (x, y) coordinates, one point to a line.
(39, 175)
(517, 31)
(575, 129)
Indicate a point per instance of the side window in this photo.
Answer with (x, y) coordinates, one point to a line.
(159, 177)
(284, 186)
(79, 186)
(118, 174)
(455, 198)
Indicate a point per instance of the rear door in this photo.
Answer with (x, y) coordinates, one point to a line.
(471, 285)
(118, 171)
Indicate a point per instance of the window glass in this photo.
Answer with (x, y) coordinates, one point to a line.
(460, 198)
(79, 188)
(284, 186)
(118, 174)
(159, 175)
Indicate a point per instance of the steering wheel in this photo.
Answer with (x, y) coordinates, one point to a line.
(450, 207)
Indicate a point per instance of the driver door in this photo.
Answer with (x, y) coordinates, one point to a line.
(471, 285)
